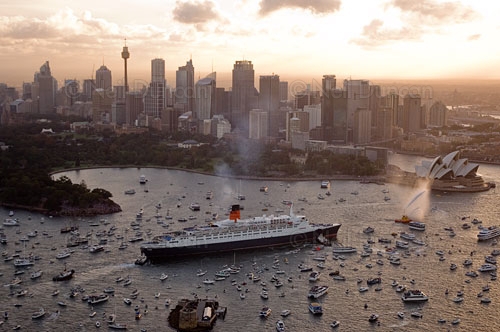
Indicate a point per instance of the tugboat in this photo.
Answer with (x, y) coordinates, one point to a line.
(404, 219)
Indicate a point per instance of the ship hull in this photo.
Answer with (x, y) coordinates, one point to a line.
(173, 253)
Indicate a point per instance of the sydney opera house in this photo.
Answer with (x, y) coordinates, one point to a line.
(452, 173)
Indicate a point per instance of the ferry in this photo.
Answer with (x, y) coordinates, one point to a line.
(488, 233)
(414, 296)
(238, 234)
(416, 225)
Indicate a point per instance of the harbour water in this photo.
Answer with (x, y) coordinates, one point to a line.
(353, 204)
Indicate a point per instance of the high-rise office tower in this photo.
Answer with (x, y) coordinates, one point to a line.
(412, 113)
(47, 87)
(103, 79)
(258, 120)
(87, 88)
(269, 100)
(205, 98)
(184, 86)
(391, 101)
(125, 56)
(438, 114)
(155, 100)
(244, 95)
(283, 92)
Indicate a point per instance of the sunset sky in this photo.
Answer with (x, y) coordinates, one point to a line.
(368, 39)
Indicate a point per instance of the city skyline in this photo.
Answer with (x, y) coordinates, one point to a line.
(408, 39)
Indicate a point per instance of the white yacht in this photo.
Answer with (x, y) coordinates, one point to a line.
(488, 233)
(487, 267)
(318, 291)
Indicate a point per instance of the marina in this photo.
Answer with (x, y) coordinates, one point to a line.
(419, 266)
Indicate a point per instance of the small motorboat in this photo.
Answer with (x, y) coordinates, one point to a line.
(285, 313)
(373, 318)
(335, 324)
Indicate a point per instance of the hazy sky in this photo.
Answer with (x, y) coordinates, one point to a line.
(366, 39)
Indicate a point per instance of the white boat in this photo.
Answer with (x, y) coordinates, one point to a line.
(63, 254)
(488, 233)
(314, 276)
(10, 222)
(142, 179)
(38, 314)
(315, 308)
(163, 276)
(318, 291)
(416, 225)
(325, 184)
(129, 191)
(11, 213)
(36, 274)
(414, 296)
(401, 314)
(343, 250)
(117, 326)
(22, 262)
(334, 324)
(373, 318)
(127, 301)
(280, 326)
(209, 282)
(285, 313)
(487, 267)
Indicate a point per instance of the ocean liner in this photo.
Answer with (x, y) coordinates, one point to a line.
(238, 234)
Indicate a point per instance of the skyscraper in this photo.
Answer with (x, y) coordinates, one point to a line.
(184, 86)
(103, 79)
(244, 94)
(47, 87)
(412, 113)
(205, 97)
(155, 100)
(269, 100)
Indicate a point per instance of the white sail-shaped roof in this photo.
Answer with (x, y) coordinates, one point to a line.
(450, 166)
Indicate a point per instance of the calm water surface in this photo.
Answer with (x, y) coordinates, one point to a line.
(364, 206)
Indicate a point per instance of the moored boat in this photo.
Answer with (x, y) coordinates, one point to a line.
(65, 275)
(404, 219)
(318, 291)
(414, 296)
(315, 308)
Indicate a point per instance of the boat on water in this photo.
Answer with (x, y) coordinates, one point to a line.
(315, 308)
(285, 313)
(238, 234)
(64, 275)
(142, 179)
(38, 314)
(414, 296)
(343, 250)
(373, 318)
(335, 324)
(318, 291)
(488, 233)
(487, 267)
(325, 184)
(195, 315)
(280, 326)
(404, 219)
(36, 274)
(416, 225)
(11, 222)
(117, 326)
(314, 276)
(129, 191)
(265, 312)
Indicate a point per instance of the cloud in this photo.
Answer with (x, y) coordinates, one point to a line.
(432, 12)
(417, 19)
(474, 37)
(374, 34)
(315, 6)
(195, 12)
